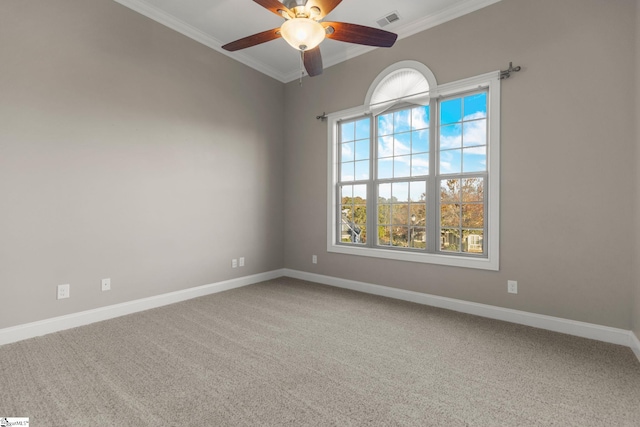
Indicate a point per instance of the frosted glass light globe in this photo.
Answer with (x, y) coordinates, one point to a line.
(302, 33)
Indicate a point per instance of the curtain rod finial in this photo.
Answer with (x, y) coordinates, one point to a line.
(505, 74)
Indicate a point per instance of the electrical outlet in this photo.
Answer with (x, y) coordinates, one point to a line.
(234, 263)
(512, 286)
(106, 285)
(241, 262)
(314, 259)
(64, 291)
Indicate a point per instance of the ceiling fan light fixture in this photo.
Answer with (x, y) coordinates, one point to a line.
(302, 33)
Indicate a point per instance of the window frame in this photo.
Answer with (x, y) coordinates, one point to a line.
(489, 82)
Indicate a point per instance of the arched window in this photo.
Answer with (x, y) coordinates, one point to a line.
(415, 170)
(405, 81)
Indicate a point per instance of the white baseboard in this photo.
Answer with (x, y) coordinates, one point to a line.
(47, 326)
(556, 324)
(635, 345)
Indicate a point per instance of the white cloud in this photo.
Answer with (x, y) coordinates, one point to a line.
(475, 133)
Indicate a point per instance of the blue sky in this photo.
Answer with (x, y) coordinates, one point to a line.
(403, 141)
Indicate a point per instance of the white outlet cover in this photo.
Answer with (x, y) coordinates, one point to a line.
(512, 286)
(64, 291)
(234, 263)
(106, 285)
(241, 263)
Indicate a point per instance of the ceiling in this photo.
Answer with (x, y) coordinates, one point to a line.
(217, 22)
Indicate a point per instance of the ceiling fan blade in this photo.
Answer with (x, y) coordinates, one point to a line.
(276, 7)
(313, 61)
(253, 40)
(325, 6)
(359, 34)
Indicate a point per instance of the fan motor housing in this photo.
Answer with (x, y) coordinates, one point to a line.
(291, 4)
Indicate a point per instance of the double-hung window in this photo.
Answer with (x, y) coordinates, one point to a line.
(414, 176)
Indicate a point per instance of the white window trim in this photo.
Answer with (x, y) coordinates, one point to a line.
(491, 262)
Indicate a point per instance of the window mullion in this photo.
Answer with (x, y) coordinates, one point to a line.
(432, 181)
(372, 192)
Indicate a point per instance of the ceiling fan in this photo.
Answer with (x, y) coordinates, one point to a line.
(304, 30)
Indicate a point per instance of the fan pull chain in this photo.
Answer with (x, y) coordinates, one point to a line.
(301, 66)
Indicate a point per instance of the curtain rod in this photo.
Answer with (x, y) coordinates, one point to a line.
(504, 74)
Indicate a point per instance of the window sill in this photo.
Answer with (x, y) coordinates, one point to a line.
(490, 263)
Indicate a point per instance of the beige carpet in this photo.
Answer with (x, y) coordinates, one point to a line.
(287, 352)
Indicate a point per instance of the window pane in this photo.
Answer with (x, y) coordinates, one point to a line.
(400, 236)
(451, 111)
(400, 191)
(400, 214)
(450, 137)
(450, 161)
(420, 141)
(385, 124)
(359, 234)
(384, 235)
(420, 165)
(449, 215)
(346, 191)
(418, 213)
(353, 214)
(362, 170)
(420, 117)
(384, 214)
(402, 144)
(418, 191)
(363, 129)
(348, 131)
(473, 241)
(362, 150)
(417, 237)
(384, 193)
(347, 152)
(360, 192)
(473, 216)
(360, 214)
(385, 168)
(347, 171)
(450, 240)
(401, 167)
(473, 190)
(402, 121)
(346, 212)
(475, 106)
(385, 146)
(475, 133)
(474, 159)
(450, 190)
(350, 232)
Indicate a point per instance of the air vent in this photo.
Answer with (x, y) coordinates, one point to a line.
(389, 18)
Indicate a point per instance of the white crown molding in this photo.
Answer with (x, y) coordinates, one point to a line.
(185, 29)
(555, 324)
(47, 326)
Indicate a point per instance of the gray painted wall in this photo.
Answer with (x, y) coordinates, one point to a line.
(128, 151)
(567, 134)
